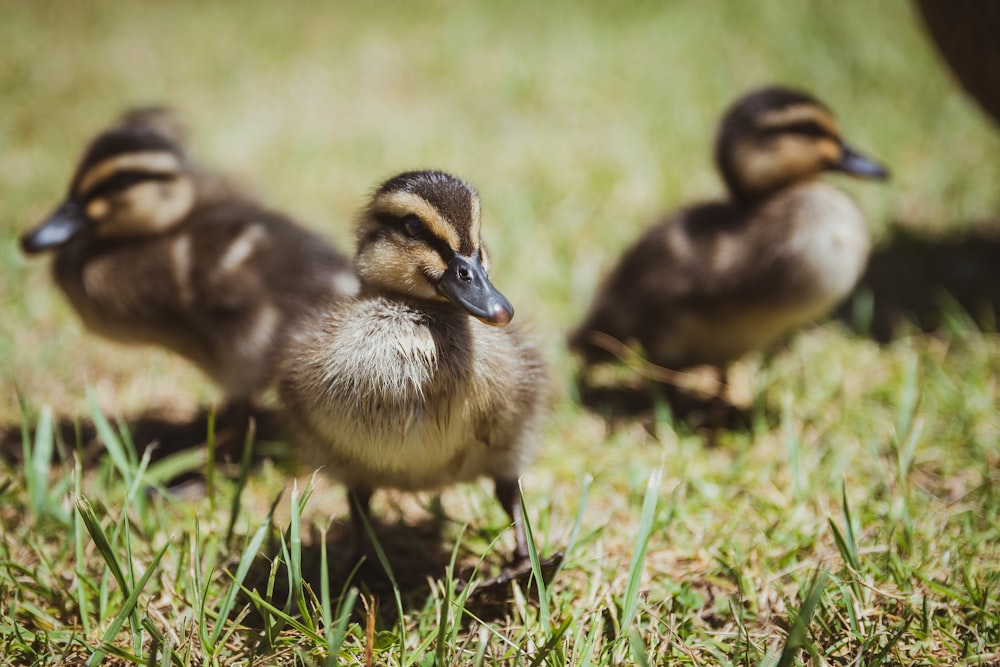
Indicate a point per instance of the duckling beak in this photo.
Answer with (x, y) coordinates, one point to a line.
(466, 285)
(55, 230)
(853, 162)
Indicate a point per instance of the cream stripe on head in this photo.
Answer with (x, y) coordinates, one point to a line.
(157, 162)
(798, 113)
(476, 219)
(401, 204)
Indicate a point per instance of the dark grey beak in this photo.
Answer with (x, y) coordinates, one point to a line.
(466, 285)
(853, 162)
(55, 230)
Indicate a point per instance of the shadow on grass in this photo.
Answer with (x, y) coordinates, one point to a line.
(416, 555)
(418, 558)
(170, 436)
(928, 281)
(645, 401)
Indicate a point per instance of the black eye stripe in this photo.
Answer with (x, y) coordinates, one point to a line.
(123, 180)
(804, 128)
(444, 250)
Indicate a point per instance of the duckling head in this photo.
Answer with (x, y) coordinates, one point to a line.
(133, 180)
(164, 119)
(419, 237)
(774, 137)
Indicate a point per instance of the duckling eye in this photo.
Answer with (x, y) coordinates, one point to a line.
(412, 226)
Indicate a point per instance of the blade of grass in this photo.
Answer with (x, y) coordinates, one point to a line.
(295, 557)
(295, 546)
(126, 439)
(127, 610)
(646, 519)
(242, 568)
(481, 646)
(639, 654)
(909, 398)
(38, 462)
(200, 587)
(162, 471)
(82, 599)
(210, 462)
(136, 496)
(384, 562)
(907, 449)
(585, 654)
(846, 544)
(93, 525)
(121, 458)
(325, 607)
(552, 642)
(26, 411)
(164, 644)
(284, 618)
(793, 446)
(574, 532)
(274, 626)
(798, 632)
(847, 591)
(880, 657)
(444, 614)
(536, 569)
(336, 639)
(134, 625)
(241, 483)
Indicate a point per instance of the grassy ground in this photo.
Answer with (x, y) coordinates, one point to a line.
(856, 520)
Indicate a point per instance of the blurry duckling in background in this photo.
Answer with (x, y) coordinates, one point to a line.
(420, 382)
(715, 281)
(148, 248)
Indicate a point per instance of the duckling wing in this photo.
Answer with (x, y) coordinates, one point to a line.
(686, 268)
(248, 277)
(245, 254)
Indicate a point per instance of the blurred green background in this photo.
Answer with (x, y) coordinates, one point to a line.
(579, 122)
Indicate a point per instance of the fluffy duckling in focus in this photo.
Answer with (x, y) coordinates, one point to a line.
(150, 249)
(715, 281)
(420, 382)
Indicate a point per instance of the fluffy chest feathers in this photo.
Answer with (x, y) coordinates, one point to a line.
(827, 244)
(392, 395)
(383, 360)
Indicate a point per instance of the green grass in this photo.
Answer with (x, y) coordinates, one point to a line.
(856, 523)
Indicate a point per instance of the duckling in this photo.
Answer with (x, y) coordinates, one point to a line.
(420, 382)
(712, 282)
(148, 248)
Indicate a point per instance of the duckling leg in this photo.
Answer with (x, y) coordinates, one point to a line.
(509, 494)
(233, 435)
(722, 383)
